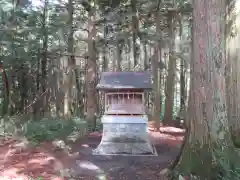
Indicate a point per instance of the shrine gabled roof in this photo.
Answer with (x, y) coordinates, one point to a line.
(125, 80)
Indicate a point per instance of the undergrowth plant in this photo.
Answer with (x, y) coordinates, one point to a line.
(45, 129)
(51, 129)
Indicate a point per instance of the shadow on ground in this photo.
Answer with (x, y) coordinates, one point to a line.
(79, 163)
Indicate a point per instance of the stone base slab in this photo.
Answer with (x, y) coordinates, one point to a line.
(110, 148)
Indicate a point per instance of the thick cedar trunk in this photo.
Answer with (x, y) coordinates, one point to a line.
(208, 133)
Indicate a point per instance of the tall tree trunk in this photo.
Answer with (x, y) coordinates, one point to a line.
(129, 57)
(171, 72)
(182, 110)
(44, 57)
(134, 31)
(72, 63)
(209, 146)
(146, 63)
(155, 62)
(4, 91)
(38, 81)
(91, 78)
(105, 60)
(119, 57)
(182, 90)
(23, 89)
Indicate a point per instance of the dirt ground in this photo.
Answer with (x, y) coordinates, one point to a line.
(51, 164)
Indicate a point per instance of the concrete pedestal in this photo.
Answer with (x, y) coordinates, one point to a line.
(124, 135)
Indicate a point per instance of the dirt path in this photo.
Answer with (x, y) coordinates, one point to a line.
(45, 161)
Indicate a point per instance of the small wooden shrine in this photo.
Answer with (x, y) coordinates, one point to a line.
(124, 120)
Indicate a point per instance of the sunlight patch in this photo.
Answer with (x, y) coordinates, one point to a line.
(88, 165)
(85, 145)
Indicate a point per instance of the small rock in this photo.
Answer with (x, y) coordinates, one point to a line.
(164, 172)
(181, 177)
(66, 173)
(22, 146)
(59, 144)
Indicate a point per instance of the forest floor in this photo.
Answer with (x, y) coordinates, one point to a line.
(18, 161)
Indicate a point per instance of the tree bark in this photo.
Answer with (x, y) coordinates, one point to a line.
(154, 63)
(182, 113)
(209, 146)
(171, 73)
(91, 78)
(119, 56)
(105, 60)
(44, 57)
(134, 31)
(72, 63)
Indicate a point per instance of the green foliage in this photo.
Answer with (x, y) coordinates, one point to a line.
(47, 129)
(236, 138)
(40, 178)
(51, 129)
(99, 126)
(94, 125)
(236, 141)
(8, 126)
(226, 166)
(175, 109)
